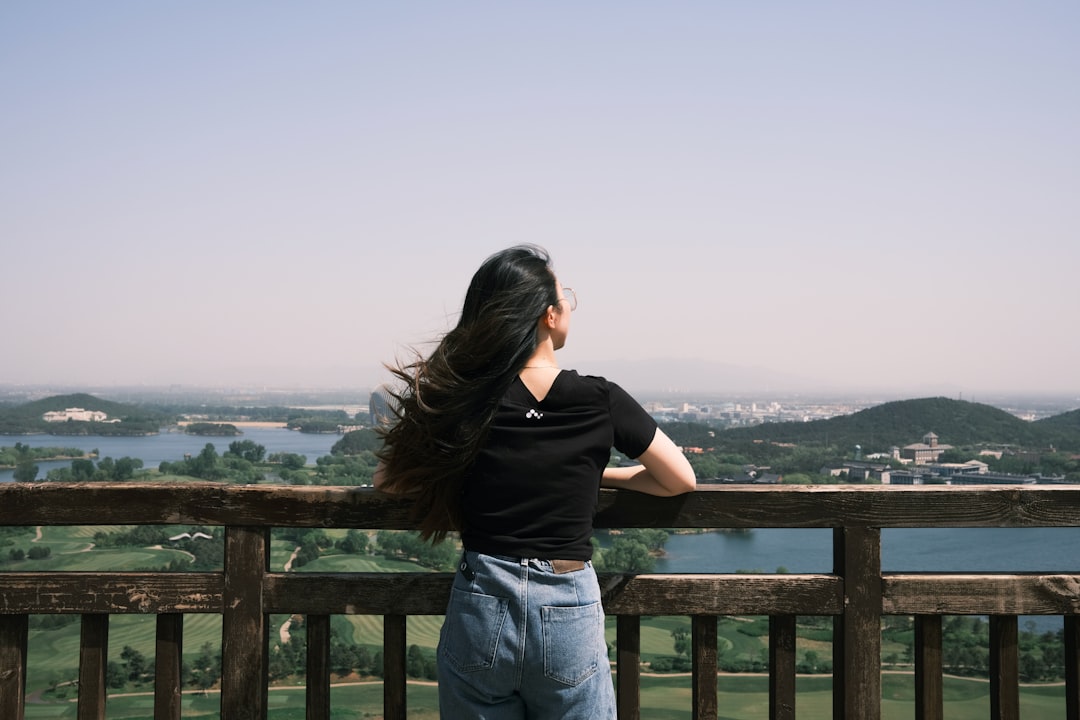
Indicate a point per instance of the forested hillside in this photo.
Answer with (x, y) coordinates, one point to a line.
(27, 418)
(876, 429)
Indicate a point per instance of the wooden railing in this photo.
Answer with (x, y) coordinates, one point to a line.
(856, 594)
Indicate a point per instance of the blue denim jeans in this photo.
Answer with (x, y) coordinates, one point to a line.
(521, 641)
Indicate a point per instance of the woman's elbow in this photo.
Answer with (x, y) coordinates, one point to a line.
(680, 482)
(685, 478)
(685, 484)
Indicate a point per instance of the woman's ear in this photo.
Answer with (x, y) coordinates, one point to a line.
(550, 318)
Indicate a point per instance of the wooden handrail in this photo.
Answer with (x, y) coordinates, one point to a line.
(856, 594)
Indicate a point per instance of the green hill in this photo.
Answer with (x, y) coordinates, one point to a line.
(1061, 430)
(1065, 421)
(27, 418)
(899, 423)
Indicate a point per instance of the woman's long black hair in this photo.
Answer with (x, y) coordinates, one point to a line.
(448, 400)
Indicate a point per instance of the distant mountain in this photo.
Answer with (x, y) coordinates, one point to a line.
(900, 423)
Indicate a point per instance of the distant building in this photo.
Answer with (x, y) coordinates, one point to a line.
(379, 406)
(914, 477)
(971, 467)
(76, 414)
(933, 475)
(861, 471)
(749, 478)
(992, 479)
(928, 451)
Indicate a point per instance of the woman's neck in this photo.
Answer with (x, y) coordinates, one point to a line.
(542, 359)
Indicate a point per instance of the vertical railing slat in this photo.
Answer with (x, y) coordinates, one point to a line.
(93, 659)
(14, 638)
(1004, 668)
(1072, 667)
(168, 657)
(394, 668)
(318, 667)
(703, 642)
(857, 558)
(244, 625)
(628, 666)
(782, 667)
(929, 689)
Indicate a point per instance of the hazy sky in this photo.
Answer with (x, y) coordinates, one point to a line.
(826, 195)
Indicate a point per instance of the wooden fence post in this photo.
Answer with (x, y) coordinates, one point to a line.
(628, 666)
(244, 625)
(703, 634)
(168, 658)
(14, 636)
(857, 638)
(929, 688)
(782, 667)
(93, 657)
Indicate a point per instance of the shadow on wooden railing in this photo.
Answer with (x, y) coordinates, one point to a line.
(857, 594)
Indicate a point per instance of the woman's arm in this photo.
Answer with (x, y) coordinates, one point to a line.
(664, 470)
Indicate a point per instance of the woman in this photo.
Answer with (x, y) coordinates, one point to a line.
(495, 441)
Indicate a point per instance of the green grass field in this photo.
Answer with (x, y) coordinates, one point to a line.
(739, 697)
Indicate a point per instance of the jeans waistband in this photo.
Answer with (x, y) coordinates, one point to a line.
(557, 566)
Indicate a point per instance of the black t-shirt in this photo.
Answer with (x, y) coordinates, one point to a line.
(533, 489)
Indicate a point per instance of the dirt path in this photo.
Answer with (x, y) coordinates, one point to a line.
(283, 633)
(88, 548)
(190, 557)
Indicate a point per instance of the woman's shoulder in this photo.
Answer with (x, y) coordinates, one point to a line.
(584, 383)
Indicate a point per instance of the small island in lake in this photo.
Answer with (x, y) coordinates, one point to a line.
(212, 429)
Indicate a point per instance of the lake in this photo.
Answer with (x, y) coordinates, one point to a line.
(172, 446)
(803, 550)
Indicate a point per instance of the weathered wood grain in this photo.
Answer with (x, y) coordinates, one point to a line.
(168, 658)
(727, 506)
(782, 667)
(244, 625)
(1004, 668)
(703, 642)
(980, 594)
(857, 645)
(929, 685)
(427, 593)
(14, 634)
(93, 659)
(111, 593)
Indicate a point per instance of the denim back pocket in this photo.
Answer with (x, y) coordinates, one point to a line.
(572, 640)
(473, 625)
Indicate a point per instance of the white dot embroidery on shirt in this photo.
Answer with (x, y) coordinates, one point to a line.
(534, 414)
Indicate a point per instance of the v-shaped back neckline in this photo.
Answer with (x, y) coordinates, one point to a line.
(533, 395)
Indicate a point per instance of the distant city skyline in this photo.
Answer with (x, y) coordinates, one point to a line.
(829, 198)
